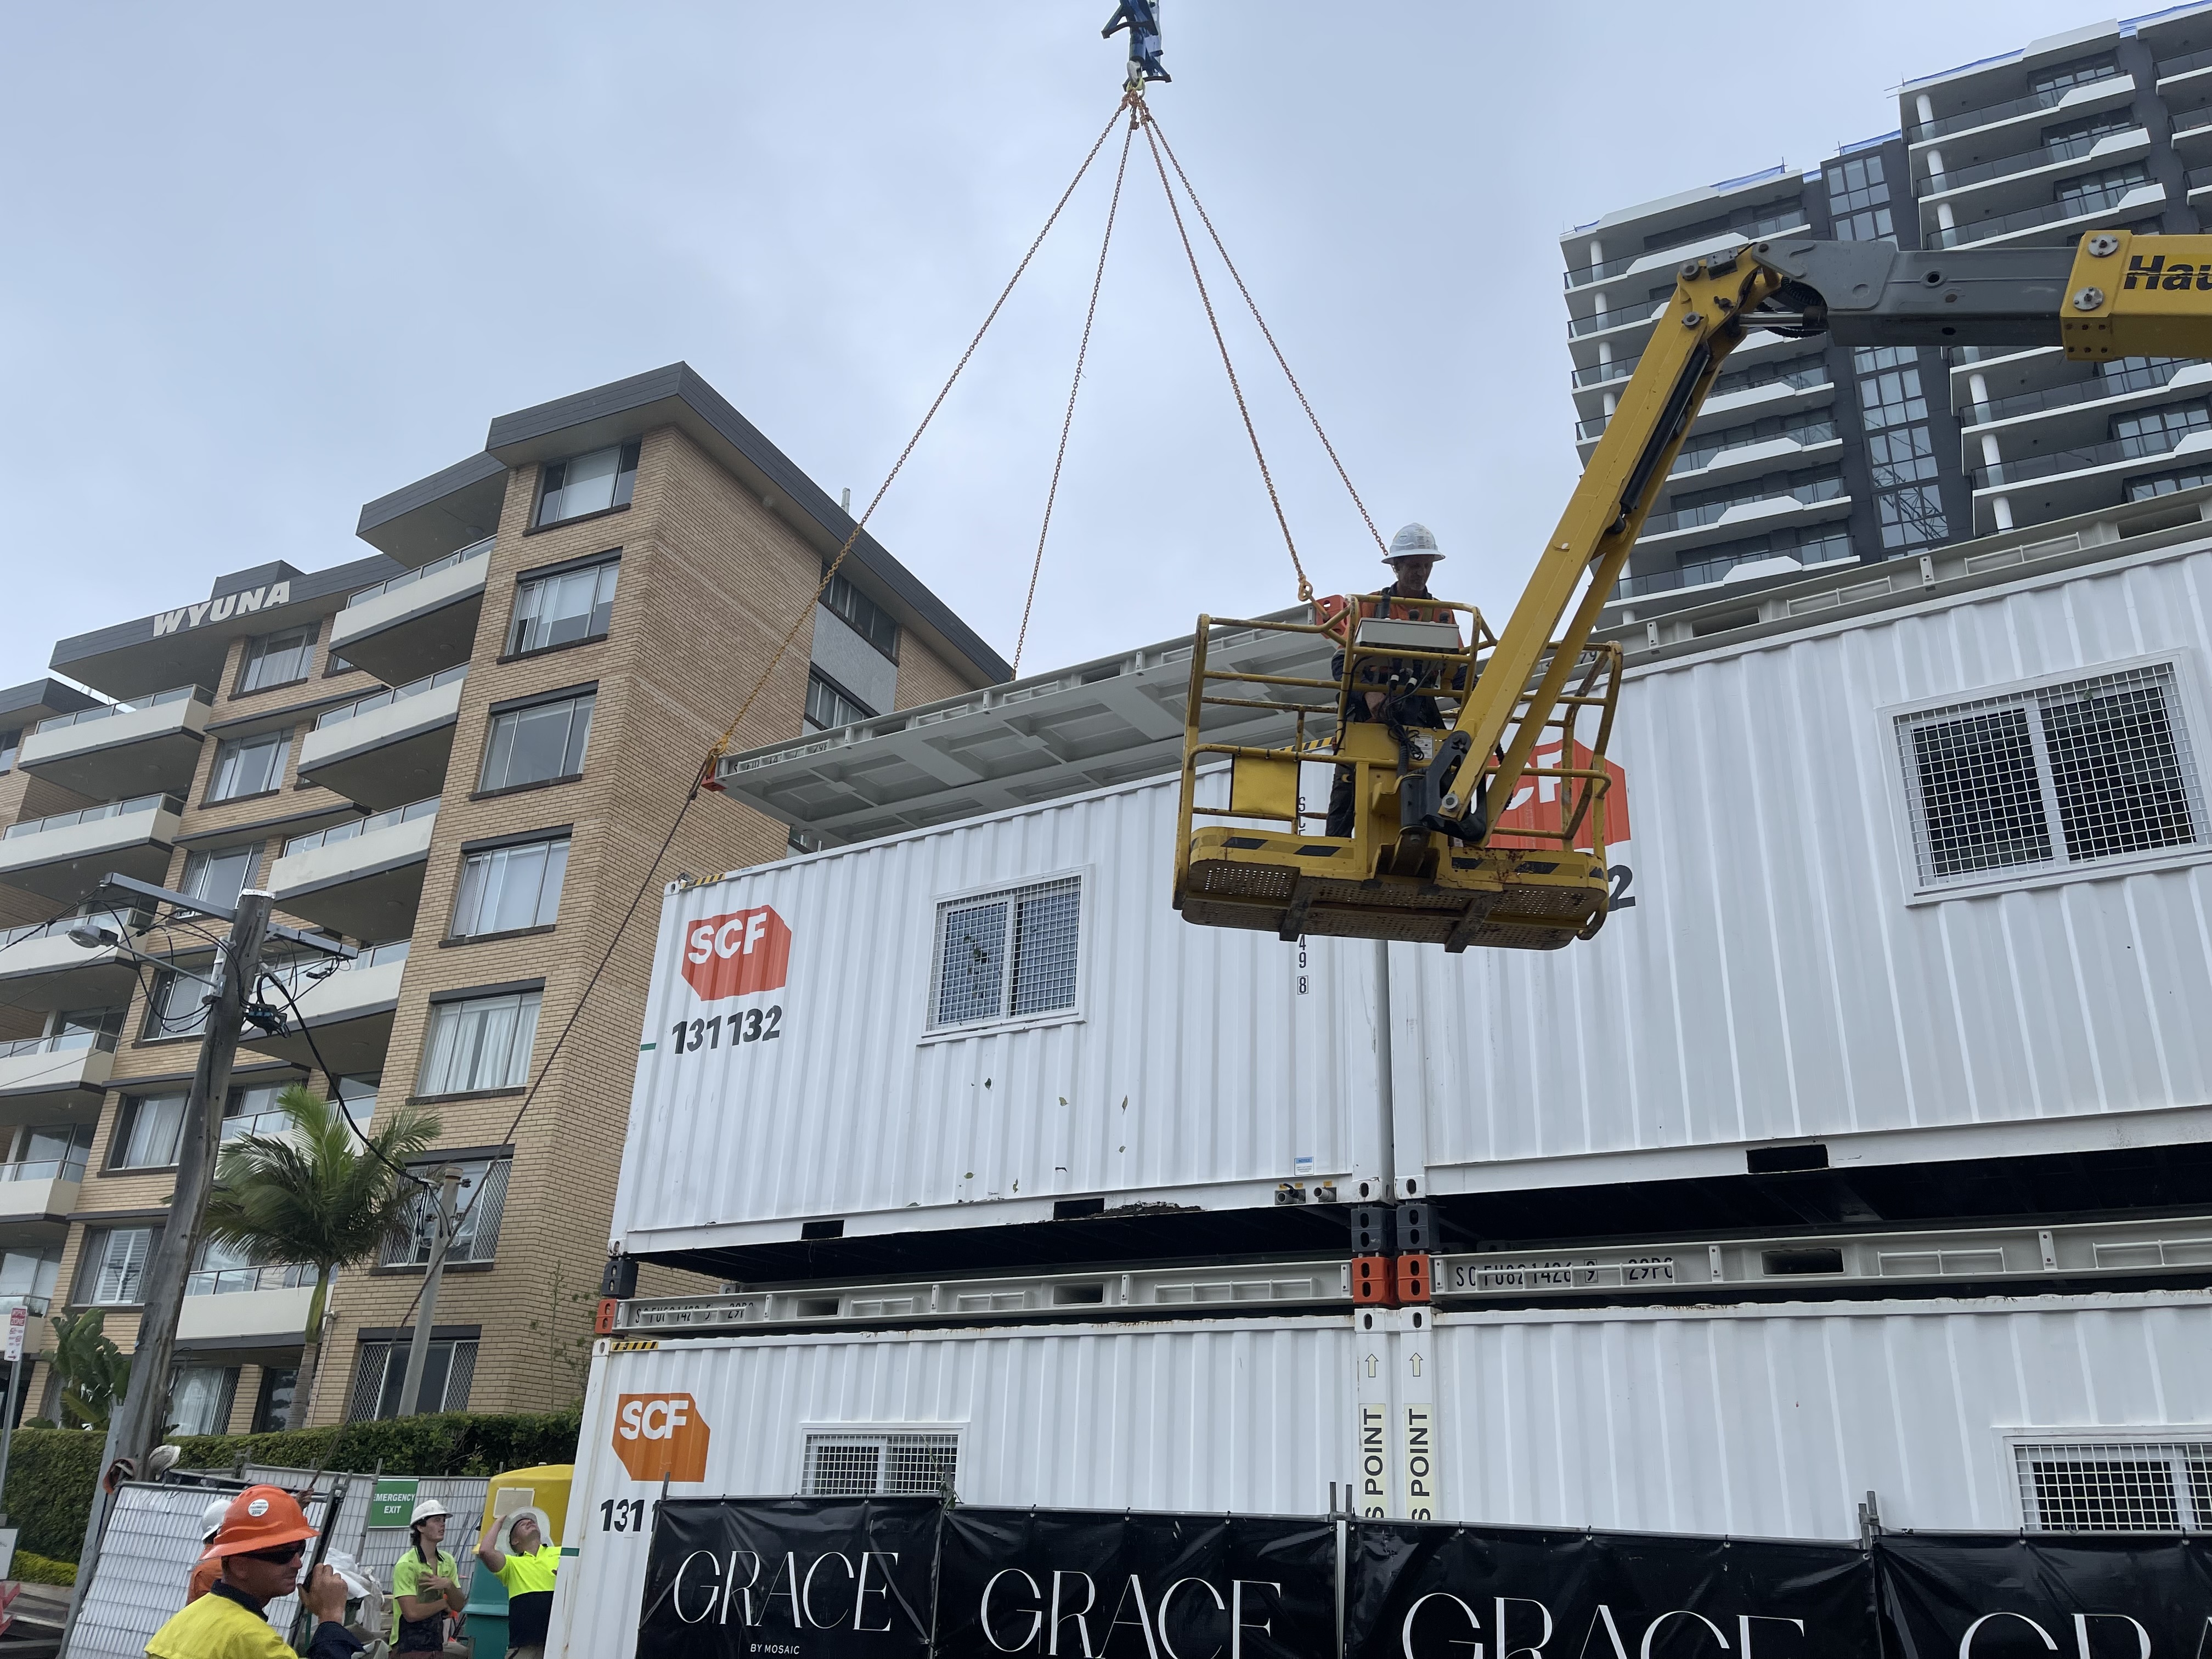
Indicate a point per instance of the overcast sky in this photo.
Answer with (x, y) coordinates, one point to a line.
(265, 263)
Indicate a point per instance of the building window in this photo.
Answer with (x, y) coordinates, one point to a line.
(357, 1100)
(828, 708)
(2155, 431)
(1912, 518)
(31, 1276)
(543, 741)
(1889, 387)
(199, 1399)
(1810, 370)
(176, 1006)
(2116, 1486)
(1857, 197)
(588, 483)
(564, 608)
(1009, 955)
(2080, 73)
(866, 1464)
(254, 1111)
(249, 766)
(380, 1368)
(2164, 483)
(218, 878)
(114, 1266)
(277, 659)
(1902, 457)
(230, 1270)
(2087, 193)
(477, 1208)
(2055, 777)
(272, 1406)
(11, 741)
(54, 1152)
(865, 616)
(510, 887)
(480, 1042)
(151, 1125)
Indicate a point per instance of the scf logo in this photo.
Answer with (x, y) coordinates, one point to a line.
(737, 954)
(657, 1434)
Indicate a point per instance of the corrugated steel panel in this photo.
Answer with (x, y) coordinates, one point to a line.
(1773, 982)
(1199, 1064)
(1771, 1421)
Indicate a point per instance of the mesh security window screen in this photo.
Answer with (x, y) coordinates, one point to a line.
(1007, 955)
(380, 1374)
(2125, 1486)
(840, 1465)
(2068, 773)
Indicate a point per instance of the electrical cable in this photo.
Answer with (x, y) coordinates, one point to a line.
(1075, 385)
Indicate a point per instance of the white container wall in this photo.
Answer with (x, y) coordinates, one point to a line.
(963, 1025)
(1862, 913)
(1770, 1421)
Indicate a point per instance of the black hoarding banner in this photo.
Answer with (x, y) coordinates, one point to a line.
(1959, 1596)
(803, 1577)
(1434, 1592)
(1135, 1586)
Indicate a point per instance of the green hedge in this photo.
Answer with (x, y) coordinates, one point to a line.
(52, 1472)
(39, 1570)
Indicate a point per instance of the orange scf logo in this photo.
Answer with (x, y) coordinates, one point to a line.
(737, 953)
(1536, 804)
(660, 1434)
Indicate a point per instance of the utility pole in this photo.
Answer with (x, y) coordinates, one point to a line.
(418, 1347)
(136, 1421)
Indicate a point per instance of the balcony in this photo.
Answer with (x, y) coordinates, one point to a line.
(390, 746)
(49, 1074)
(2097, 388)
(1721, 521)
(1788, 223)
(348, 1011)
(2190, 68)
(364, 877)
(63, 857)
(2055, 463)
(1606, 322)
(244, 1305)
(2112, 89)
(39, 1189)
(1715, 456)
(112, 751)
(2198, 183)
(41, 967)
(2025, 164)
(2042, 485)
(1705, 572)
(2054, 216)
(418, 622)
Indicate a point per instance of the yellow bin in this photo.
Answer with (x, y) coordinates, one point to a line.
(544, 1488)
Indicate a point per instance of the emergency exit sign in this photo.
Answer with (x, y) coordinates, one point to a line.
(392, 1503)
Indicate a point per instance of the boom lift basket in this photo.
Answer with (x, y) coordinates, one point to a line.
(1535, 883)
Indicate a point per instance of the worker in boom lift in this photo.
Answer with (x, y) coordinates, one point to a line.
(1412, 555)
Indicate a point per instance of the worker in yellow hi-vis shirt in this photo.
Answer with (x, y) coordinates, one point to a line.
(263, 1540)
(518, 1553)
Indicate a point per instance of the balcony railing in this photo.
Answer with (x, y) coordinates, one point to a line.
(2093, 389)
(1689, 518)
(36, 1306)
(297, 976)
(1989, 113)
(61, 1042)
(107, 710)
(2168, 68)
(114, 809)
(1711, 570)
(1736, 236)
(45, 1169)
(408, 578)
(2070, 150)
(228, 1281)
(1598, 373)
(1579, 327)
(1696, 456)
(352, 827)
(118, 922)
(375, 699)
(2076, 207)
(2196, 179)
(2053, 462)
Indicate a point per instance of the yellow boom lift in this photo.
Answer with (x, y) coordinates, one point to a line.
(1426, 861)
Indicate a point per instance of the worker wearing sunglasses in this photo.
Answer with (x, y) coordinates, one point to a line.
(261, 1544)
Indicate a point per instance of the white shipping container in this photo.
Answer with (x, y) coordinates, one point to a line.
(1004, 1013)
(1932, 883)
(1771, 1420)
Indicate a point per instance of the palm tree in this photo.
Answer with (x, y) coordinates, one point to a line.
(319, 1197)
(94, 1371)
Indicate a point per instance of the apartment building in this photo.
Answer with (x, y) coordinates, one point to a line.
(1813, 454)
(458, 753)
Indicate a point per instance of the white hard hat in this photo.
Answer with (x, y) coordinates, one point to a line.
(1415, 541)
(425, 1508)
(211, 1517)
(506, 1534)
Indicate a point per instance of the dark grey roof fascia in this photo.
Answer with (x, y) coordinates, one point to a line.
(423, 491)
(519, 438)
(51, 696)
(331, 585)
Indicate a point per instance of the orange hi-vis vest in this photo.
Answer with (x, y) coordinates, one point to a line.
(1334, 612)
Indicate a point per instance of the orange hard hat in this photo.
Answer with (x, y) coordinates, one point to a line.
(259, 1518)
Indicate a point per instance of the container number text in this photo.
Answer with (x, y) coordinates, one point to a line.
(621, 1515)
(745, 1026)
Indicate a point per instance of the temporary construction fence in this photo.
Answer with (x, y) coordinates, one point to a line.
(153, 1539)
(905, 1578)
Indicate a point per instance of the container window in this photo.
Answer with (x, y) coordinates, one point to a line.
(2062, 775)
(2123, 1487)
(867, 1465)
(1007, 955)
